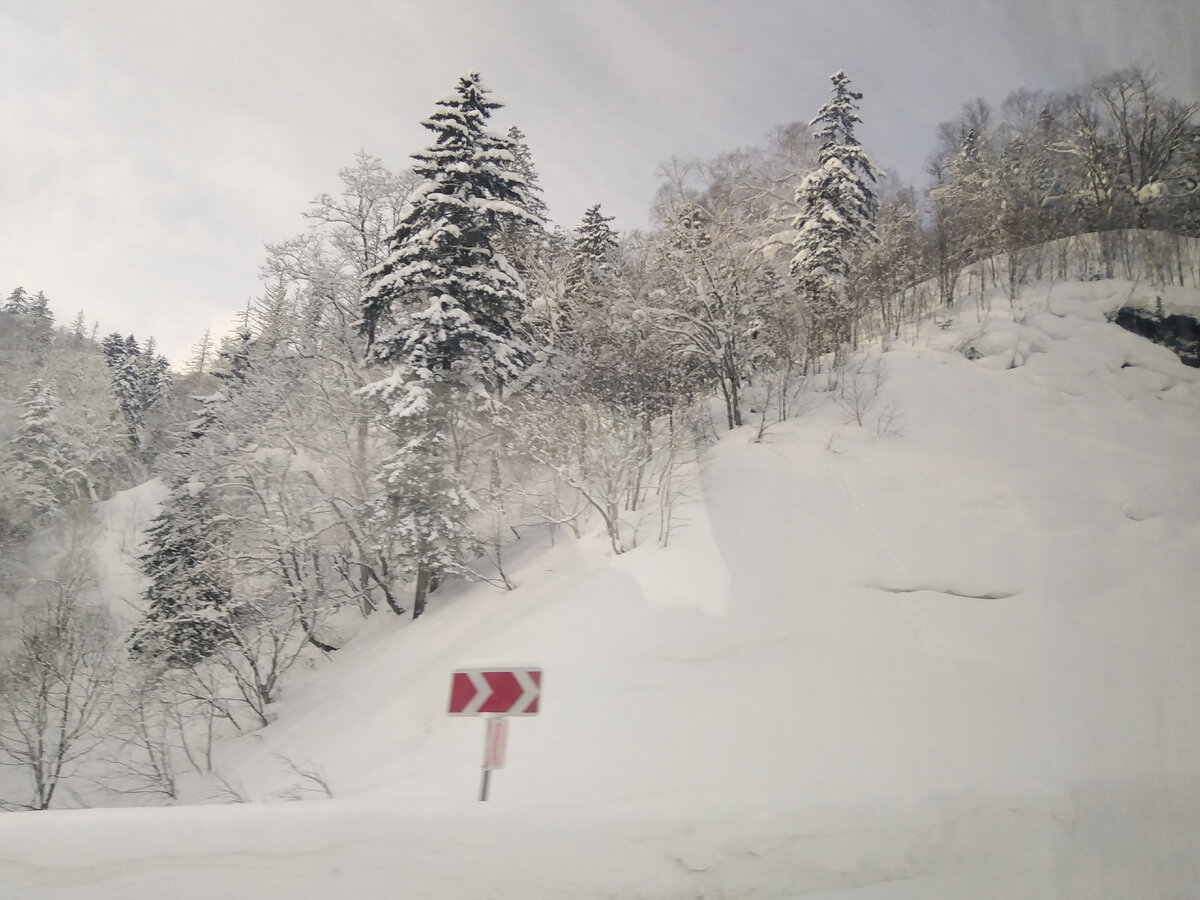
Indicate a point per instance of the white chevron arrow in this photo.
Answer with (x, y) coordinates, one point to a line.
(529, 688)
(483, 691)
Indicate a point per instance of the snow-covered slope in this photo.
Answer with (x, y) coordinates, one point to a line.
(952, 652)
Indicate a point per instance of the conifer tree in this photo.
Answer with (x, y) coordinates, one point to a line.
(586, 287)
(198, 362)
(447, 301)
(121, 355)
(233, 363)
(60, 453)
(139, 377)
(524, 166)
(36, 320)
(442, 313)
(41, 325)
(837, 211)
(592, 257)
(36, 462)
(523, 241)
(39, 308)
(189, 595)
(17, 303)
(153, 374)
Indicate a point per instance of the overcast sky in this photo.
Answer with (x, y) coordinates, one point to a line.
(149, 148)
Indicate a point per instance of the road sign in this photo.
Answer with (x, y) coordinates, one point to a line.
(501, 692)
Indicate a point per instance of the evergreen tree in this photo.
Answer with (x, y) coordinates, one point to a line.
(121, 356)
(138, 377)
(39, 307)
(36, 464)
(592, 257)
(585, 287)
(153, 371)
(21, 357)
(837, 211)
(233, 358)
(523, 165)
(189, 595)
(93, 432)
(61, 452)
(198, 362)
(442, 312)
(41, 322)
(116, 348)
(36, 319)
(17, 302)
(446, 301)
(522, 241)
(79, 325)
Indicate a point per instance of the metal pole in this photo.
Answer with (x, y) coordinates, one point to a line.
(483, 787)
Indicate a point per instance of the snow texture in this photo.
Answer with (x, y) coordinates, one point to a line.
(951, 657)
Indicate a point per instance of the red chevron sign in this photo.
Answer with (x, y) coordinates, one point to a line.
(501, 692)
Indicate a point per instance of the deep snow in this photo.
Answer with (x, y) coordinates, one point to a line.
(950, 653)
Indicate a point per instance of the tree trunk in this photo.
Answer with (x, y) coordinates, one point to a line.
(424, 577)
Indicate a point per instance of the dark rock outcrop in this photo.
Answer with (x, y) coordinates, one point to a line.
(1178, 333)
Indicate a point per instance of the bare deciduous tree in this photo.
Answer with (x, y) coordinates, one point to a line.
(54, 685)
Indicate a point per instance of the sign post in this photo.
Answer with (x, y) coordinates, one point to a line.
(495, 744)
(496, 694)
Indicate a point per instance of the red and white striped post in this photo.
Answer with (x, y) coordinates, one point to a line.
(495, 745)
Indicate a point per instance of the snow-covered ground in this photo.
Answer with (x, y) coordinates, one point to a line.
(950, 653)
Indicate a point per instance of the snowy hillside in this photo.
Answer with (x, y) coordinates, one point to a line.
(952, 651)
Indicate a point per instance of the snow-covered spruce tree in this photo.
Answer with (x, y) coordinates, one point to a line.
(232, 364)
(91, 417)
(121, 355)
(592, 265)
(38, 474)
(139, 379)
(65, 448)
(525, 241)
(153, 371)
(837, 211)
(582, 288)
(25, 337)
(17, 303)
(42, 320)
(442, 312)
(189, 593)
